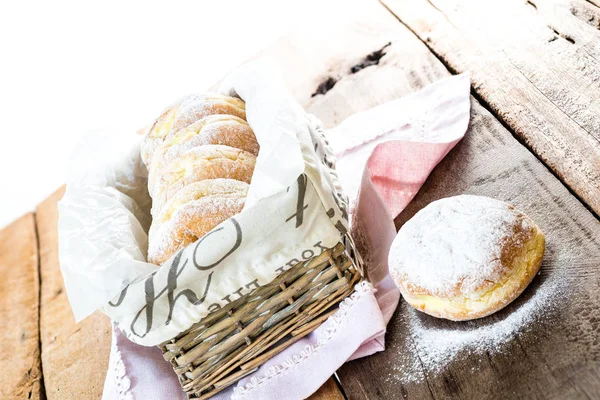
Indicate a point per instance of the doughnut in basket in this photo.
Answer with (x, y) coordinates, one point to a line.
(200, 155)
(185, 112)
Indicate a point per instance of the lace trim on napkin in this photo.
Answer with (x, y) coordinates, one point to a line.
(293, 361)
(122, 382)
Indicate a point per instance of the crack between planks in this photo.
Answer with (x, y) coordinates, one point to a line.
(593, 3)
(437, 9)
(531, 3)
(39, 266)
(563, 35)
(453, 71)
(338, 383)
(490, 109)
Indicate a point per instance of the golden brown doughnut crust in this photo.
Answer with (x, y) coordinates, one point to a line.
(185, 112)
(225, 130)
(200, 154)
(434, 278)
(200, 163)
(193, 212)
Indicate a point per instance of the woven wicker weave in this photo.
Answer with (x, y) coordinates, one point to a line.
(234, 341)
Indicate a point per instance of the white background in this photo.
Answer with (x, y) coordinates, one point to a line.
(69, 68)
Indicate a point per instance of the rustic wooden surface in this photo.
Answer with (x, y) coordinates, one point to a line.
(536, 63)
(329, 391)
(20, 370)
(544, 362)
(543, 88)
(74, 356)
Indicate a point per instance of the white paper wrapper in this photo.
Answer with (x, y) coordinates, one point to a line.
(295, 209)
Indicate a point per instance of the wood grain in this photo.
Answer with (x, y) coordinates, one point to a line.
(74, 356)
(555, 357)
(536, 64)
(329, 391)
(20, 370)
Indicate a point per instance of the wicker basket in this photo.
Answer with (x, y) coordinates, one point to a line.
(234, 341)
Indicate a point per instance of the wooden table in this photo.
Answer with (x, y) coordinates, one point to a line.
(534, 140)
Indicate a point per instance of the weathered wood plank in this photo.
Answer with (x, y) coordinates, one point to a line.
(74, 357)
(555, 356)
(338, 41)
(20, 369)
(329, 391)
(536, 64)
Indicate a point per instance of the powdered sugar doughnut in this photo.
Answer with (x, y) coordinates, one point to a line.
(185, 112)
(465, 257)
(200, 163)
(193, 212)
(214, 129)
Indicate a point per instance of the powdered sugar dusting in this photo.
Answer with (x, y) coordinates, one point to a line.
(201, 163)
(425, 346)
(195, 106)
(211, 130)
(185, 112)
(191, 221)
(453, 246)
(203, 154)
(432, 345)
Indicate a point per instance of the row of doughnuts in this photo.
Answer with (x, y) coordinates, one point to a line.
(200, 154)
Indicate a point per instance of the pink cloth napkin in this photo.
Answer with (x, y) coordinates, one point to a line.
(384, 156)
